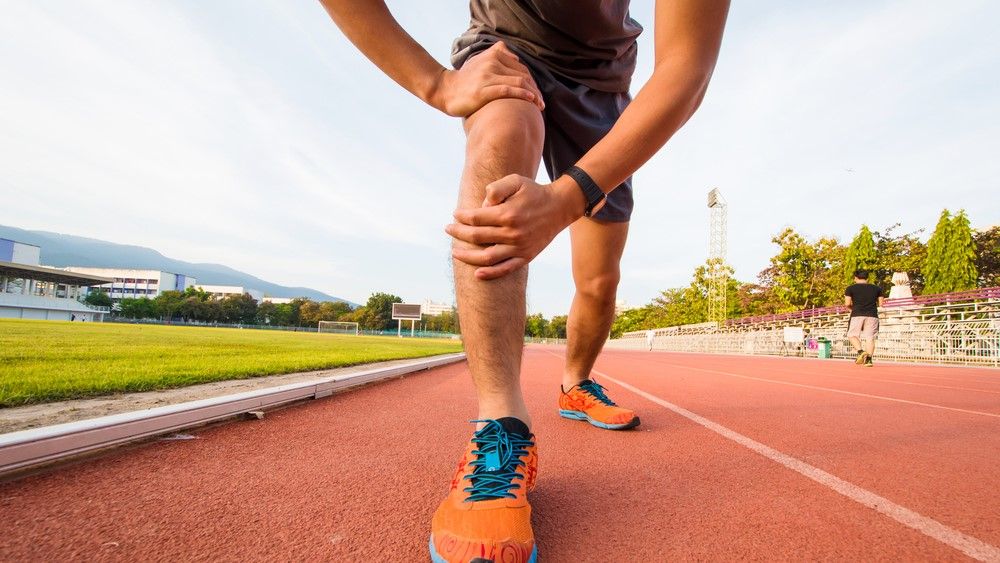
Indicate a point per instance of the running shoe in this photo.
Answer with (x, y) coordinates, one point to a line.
(588, 401)
(486, 517)
(861, 357)
(868, 361)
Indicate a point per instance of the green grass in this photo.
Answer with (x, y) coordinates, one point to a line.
(43, 361)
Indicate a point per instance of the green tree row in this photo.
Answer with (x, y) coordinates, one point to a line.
(194, 304)
(537, 326)
(804, 274)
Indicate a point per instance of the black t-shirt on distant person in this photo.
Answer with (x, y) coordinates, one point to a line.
(864, 297)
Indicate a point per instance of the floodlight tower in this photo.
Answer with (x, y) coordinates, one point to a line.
(718, 278)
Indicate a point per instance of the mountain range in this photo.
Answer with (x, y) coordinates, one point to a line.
(60, 250)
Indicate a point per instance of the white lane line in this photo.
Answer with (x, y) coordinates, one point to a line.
(856, 394)
(866, 379)
(857, 378)
(973, 547)
(911, 366)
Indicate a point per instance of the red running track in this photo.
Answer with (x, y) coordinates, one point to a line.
(737, 458)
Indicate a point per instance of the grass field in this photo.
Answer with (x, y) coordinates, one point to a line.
(43, 361)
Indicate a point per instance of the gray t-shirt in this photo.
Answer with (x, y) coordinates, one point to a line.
(589, 41)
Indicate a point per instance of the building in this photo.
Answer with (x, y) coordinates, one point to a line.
(431, 308)
(223, 291)
(31, 291)
(137, 283)
(279, 300)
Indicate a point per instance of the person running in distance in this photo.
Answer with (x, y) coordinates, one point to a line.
(864, 299)
(539, 80)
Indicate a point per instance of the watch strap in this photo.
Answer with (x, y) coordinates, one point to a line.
(591, 191)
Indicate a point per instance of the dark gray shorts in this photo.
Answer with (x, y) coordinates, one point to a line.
(576, 118)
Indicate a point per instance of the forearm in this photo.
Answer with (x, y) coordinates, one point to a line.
(660, 108)
(687, 43)
(370, 26)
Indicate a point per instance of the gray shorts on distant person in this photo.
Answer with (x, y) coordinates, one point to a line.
(863, 327)
(576, 118)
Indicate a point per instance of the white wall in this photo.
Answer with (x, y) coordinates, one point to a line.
(26, 254)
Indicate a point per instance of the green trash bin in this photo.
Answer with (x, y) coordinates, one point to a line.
(825, 348)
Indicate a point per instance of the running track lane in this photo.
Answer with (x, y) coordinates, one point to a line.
(357, 476)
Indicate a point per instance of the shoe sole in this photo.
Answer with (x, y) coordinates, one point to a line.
(579, 415)
(438, 559)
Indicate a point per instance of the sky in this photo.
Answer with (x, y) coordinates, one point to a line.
(253, 134)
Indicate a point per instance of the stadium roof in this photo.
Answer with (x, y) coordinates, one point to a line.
(41, 273)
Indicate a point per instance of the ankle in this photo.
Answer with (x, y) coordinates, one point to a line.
(569, 381)
(520, 413)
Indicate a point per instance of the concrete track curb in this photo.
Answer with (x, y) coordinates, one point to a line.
(30, 448)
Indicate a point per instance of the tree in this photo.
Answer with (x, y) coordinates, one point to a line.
(309, 313)
(963, 254)
(211, 311)
(535, 325)
(988, 256)
(900, 253)
(294, 318)
(640, 318)
(168, 304)
(860, 256)
(266, 313)
(557, 327)
(356, 316)
(98, 298)
(283, 315)
(444, 322)
(378, 311)
(132, 308)
(951, 255)
(678, 306)
(240, 308)
(197, 292)
(191, 308)
(333, 310)
(754, 299)
(796, 271)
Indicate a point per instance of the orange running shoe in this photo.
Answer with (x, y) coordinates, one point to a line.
(486, 517)
(587, 401)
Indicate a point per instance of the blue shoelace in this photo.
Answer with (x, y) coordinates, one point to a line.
(596, 391)
(495, 468)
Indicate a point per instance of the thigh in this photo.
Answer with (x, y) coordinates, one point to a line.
(503, 137)
(577, 118)
(597, 249)
(855, 326)
(870, 330)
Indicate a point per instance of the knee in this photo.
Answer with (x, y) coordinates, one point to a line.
(505, 128)
(602, 289)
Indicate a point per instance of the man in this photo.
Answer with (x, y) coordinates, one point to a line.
(539, 80)
(864, 299)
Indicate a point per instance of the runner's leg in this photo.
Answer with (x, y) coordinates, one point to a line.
(504, 137)
(597, 252)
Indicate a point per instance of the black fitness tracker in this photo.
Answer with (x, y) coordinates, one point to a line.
(591, 191)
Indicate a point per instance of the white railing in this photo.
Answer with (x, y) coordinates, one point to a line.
(43, 302)
(99, 308)
(953, 333)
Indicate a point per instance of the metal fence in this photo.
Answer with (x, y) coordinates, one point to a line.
(392, 332)
(959, 342)
(966, 333)
(208, 325)
(536, 340)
